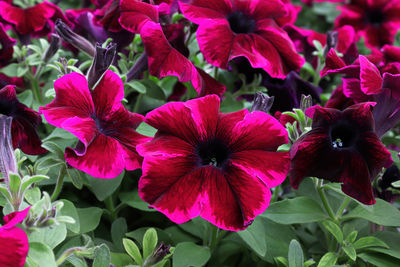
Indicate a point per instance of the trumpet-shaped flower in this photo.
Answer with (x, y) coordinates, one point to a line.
(341, 147)
(104, 127)
(219, 166)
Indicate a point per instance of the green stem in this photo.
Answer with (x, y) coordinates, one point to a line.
(325, 202)
(342, 207)
(109, 202)
(59, 184)
(214, 237)
(275, 194)
(137, 103)
(317, 76)
(66, 254)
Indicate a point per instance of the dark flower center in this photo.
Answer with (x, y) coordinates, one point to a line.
(213, 152)
(375, 17)
(103, 126)
(7, 107)
(343, 136)
(241, 23)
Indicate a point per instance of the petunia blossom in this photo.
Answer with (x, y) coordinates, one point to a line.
(14, 244)
(104, 127)
(342, 146)
(219, 166)
(376, 20)
(24, 124)
(6, 47)
(233, 28)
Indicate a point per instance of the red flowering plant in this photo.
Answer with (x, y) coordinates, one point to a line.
(199, 133)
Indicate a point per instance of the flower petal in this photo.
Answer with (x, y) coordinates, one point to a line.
(271, 167)
(103, 158)
(258, 131)
(72, 99)
(14, 218)
(371, 79)
(108, 94)
(134, 14)
(232, 199)
(14, 247)
(201, 10)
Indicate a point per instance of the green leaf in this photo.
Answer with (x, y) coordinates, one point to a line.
(4, 192)
(328, 260)
(32, 195)
(118, 231)
(10, 70)
(382, 213)
(296, 210)
(189, 254)
(369, 241)
(133, 200)
(352, 237)
(334, 229)
(230, 104)
(120, 259)
(50, 236)
(69, 210)
(42, 255)
(146, 129)
(137, 86)
(153, 90)
(133, 250)
(379, 259)
(102, 257)
(26, 97)
(254, 237)
(350, 251)
(89, 218)
(150, 240)
(54, 148)
(103, 188)
(14, 183)
(295, 255)
(281, 261)
(29, 180)
(75, 176)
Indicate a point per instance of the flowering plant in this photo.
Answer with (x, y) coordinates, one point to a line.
(199, 133)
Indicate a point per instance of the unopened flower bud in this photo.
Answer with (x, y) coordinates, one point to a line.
(331, 41)
(158, 255)
(74, 39)
(102, 60)
(305, 102)
(262, 102)
(7, 159)
(53, 47)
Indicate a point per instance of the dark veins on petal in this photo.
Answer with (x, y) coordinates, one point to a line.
(212, 152)
(103, 126)
(375, 17)
(343, 135)
(240, 22)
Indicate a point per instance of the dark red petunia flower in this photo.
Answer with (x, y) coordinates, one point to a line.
(104, 127)
(24, 124)
(341, 147)
(382, 190)
(14, 244)
(376, 20)
(233, 28)
(6, 47)
(32, 19)
(219, 166)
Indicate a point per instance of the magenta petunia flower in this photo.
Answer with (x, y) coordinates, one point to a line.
(219, 166)
(14, 244)
(104, 127)
(341, 147)
(33, 19)
(233, 28)
(376, 20)
(24, 124)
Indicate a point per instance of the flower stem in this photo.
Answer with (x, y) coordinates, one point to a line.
(109, 202)
(342, 207)
(66, 254)
(214, 237)
(59, 184)
(137, 103)
(325, 202)
(275, 194)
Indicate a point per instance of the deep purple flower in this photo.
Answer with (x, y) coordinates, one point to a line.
(219, 166)
(14, 244)
(231, 28)
(6, 47)
(104, 127)
(341, 147)
(392, 174)
(376, 20)
(24, 124)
